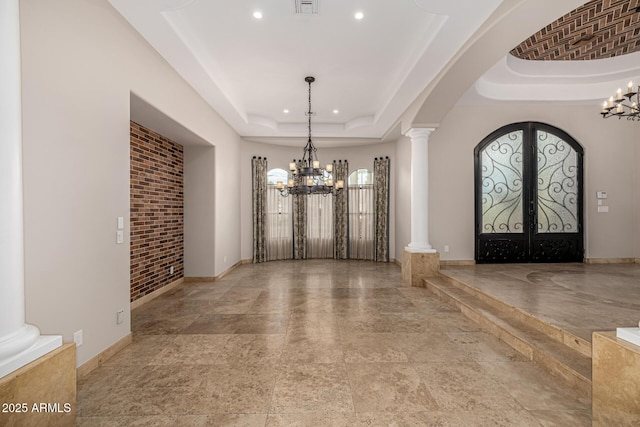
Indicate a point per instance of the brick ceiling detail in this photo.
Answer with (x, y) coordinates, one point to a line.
(596, 30)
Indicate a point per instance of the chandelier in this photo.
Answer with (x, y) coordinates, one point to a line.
(306, 176)
(623, 105)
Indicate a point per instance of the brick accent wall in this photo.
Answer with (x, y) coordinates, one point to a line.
(157, 211)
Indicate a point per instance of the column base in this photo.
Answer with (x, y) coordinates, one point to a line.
(418, 265)
(42, 393)
(42, 346)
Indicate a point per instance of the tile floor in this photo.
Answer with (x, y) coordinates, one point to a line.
(317, 343)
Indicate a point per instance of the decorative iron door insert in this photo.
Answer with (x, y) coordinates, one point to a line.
(528, 187)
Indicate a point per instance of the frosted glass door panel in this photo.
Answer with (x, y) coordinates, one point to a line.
(557, 185)
(501, 163)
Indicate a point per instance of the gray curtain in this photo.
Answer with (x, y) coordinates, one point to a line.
(300, 225)
(259, 185)
(381, 168)
(340, 211)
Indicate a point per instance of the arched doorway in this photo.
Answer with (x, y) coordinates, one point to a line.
(528, 195)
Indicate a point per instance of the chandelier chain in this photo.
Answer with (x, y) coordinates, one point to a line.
(309, 113)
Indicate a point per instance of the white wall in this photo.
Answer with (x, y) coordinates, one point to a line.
(403, 195)
(81, 60)
(359, 157)
(610, 165)
(199, 211)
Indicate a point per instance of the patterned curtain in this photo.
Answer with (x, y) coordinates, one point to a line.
(259, 185)
(340, 211)
(381, 167)
(300, 225)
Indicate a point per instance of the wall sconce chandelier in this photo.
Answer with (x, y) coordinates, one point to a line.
(306, 176)
(623, 105)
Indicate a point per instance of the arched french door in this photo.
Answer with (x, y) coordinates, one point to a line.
(528, 195)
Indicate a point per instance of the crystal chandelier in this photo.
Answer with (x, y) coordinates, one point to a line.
(623, 105)
(306, 176)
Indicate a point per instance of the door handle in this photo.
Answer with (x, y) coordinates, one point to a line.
(532, 215)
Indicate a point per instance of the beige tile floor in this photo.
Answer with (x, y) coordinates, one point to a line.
(317, 343)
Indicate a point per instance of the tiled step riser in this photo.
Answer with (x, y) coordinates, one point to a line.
(515, 342)
(571, 377)
(553, 366)
(558, 334)
(574, 379)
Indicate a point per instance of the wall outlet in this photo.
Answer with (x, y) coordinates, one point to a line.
(77, 338)
(446, 248)
(171, 270)
(119, 316)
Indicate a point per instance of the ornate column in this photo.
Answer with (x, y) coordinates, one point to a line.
(19, 343)
(419, 258)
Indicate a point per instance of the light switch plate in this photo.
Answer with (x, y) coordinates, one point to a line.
(119, 237)
(77, 338)
(120, 223)
(602, 209)
(119, 316)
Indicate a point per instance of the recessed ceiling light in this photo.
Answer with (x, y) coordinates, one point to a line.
(257, 14)
(359, 15)
(336, 111)
(285, 111)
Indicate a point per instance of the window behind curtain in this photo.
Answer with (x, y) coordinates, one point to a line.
(361, 215)
(319, 226)
(279, 227)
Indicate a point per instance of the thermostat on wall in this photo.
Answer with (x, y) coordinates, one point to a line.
(601, 194)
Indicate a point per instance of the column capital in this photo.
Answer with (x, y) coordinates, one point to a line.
(420, 133)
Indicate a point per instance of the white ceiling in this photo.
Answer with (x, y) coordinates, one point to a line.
(371, 70)
(250, 70)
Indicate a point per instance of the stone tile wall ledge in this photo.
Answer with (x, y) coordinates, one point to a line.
(616, 389)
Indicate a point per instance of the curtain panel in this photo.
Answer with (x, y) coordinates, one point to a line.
(319, 226)
(381, 169)
(300, 225)
(361, 222)
(279, 225)
(259, 186)
(340, 211)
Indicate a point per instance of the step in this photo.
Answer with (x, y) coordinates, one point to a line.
(556, 357)
(565, 337)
